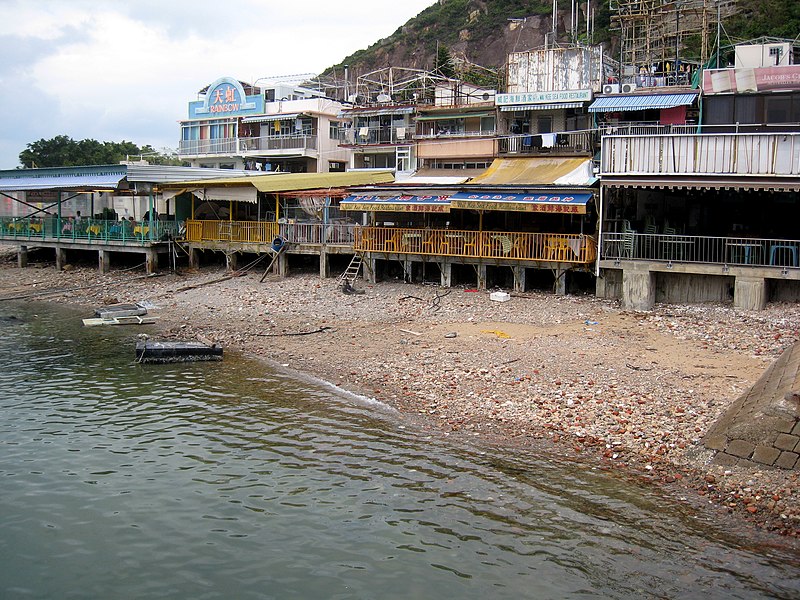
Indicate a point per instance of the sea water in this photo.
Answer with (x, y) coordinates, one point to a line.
(233, 480)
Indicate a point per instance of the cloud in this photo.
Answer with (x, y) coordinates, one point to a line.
(112, 70)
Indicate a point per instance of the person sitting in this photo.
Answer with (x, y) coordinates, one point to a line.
(67, 227)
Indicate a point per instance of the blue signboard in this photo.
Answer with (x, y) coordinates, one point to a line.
(226, 98)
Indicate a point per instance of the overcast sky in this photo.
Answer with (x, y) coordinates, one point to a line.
(115, 70)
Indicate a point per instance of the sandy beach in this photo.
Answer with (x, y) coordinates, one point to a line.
(632, 392)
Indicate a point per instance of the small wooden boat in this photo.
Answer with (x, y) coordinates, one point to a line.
(130, 320)
(148, 351)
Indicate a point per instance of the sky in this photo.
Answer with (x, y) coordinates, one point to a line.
(125, 70)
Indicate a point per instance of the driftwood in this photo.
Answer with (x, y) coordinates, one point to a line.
(191, 287)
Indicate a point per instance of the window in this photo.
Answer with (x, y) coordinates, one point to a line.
(544, 124)
(775, 54)
(335, 130)
(337, 166)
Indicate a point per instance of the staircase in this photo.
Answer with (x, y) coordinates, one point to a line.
(351, 273)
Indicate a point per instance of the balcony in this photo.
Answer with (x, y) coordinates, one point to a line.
(702, 154)
(249, 146)
(577, 142)
(264, 232)
(698, 249)
(372, 136)
(508, 246)
(85, 231)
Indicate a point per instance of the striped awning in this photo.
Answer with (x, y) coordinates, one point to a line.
(546, 202)
(399, 203)
(551, 106)
(620, 103)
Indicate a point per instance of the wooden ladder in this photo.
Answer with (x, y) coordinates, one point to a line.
(351, 273)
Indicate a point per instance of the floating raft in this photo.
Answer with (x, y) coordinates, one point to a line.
(131, 320)
(162, 352)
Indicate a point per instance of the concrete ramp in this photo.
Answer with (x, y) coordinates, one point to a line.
(762, 428)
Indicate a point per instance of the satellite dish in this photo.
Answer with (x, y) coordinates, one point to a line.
(485, 95)
(383, 98)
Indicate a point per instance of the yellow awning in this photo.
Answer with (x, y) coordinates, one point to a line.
(540, 170)
(292, 182)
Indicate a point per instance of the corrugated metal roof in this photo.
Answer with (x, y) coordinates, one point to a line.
(454, 115)
(291, 182)
(370, 112)
(534, 171)
(553, 106)
(89, 178)
(269, 118)
(165, 173)
(641, 102)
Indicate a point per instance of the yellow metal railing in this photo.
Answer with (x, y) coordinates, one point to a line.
(245, 232)
(554, 247)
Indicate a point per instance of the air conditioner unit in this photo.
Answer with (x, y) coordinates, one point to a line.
(611, 88)
(628, 88)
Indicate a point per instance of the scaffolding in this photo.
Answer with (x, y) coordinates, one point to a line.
(655, 32)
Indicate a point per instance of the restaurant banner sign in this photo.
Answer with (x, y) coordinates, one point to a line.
(402, 203)
(226, 98)
(552, 97)
(545, 203)
(759, 79)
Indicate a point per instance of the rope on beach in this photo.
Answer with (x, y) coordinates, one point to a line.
(320, 330)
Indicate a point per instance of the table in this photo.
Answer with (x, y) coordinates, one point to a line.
(503, 241)
(141, 230)
(747, 251)
(411, 241)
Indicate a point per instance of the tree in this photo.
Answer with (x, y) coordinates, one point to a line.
(444, 63)
(63, 151)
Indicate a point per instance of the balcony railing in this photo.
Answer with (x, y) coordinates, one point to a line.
(263, 232)
(574, 141)
(755, 252)
(548, 247)
(702, 154)
(247, 145)
(426, 133)
(378, 135)
(85, 231)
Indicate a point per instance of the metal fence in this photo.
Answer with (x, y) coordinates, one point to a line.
(758, 252)
(85, 230)
(552, 247)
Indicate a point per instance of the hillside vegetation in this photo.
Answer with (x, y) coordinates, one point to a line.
(486, 31)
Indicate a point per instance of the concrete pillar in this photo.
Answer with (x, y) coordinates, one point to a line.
(481, 272)
(519, 278)
(750, 293)
(408, 271)
(194, 258)
(324, 264)
(151, 260)
(638, 289)
(560, 284)
(22, 257)
(447, 274)
(104, 260)
(283, 264)
(370, 269)
(231, 261)
(61, 258)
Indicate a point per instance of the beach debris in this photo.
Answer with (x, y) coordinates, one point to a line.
(452, 334)
(408, 331)
(320, 330)
(498, 333)
(500, 296)
(128, 320)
